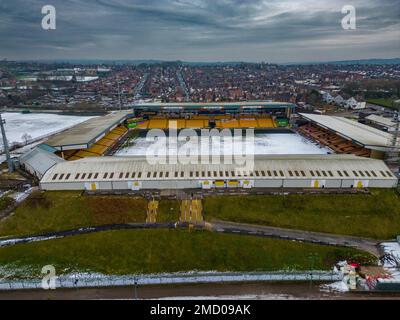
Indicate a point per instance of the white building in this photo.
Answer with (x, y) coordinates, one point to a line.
(327, 97)
(351, 103)
(286, 171)
(339, 100)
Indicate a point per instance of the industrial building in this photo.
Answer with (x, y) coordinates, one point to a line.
(296, 171)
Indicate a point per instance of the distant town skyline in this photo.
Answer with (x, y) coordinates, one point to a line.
(200, 30)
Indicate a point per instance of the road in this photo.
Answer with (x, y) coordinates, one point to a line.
(259, 290)
(369, 245)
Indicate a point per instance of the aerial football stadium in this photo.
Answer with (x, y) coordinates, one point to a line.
(107, 153)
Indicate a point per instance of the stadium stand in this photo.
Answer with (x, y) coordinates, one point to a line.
(222, 124)
(332, 140)
(100, 148)
(247, 123)
(266, 123)
(158, 124)
(143, 125)
(196, 124)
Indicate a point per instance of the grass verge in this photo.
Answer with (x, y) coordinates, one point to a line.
(388, 103)
(375, 215)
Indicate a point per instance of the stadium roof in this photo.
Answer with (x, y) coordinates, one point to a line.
(83, 135)
(369, 137)
(278, 167)
(199, 105)
(39, 160)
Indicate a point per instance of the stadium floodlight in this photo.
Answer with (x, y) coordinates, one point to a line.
(5, 145)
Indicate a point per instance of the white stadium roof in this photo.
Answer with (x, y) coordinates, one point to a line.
(265, 167)
(362, 134)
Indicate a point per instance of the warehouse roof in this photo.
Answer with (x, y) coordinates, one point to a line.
(362, 134)
(265, 167)
(86, 133)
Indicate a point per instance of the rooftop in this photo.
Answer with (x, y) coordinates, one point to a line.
(362, 134)
(83, 135)
(271, 167)
(216, 104)
(387, 122)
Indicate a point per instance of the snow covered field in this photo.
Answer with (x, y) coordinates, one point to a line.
(264, 144)
(36, 125)
(392, 248)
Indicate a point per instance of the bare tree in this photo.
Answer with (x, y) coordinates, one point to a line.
(26, 137)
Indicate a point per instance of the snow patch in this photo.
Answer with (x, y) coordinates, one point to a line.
(88, 279)
(338, 286)
(21, 196)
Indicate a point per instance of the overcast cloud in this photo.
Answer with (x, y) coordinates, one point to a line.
(200, 30)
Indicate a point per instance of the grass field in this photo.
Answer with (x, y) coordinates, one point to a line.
(168, 211)
(56, 211)
(5, 202)
(376, 215)
(383, 102)
(155, 251)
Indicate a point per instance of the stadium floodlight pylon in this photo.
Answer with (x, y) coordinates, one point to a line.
(5, 145)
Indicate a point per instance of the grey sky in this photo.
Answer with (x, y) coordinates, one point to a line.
(200, 30)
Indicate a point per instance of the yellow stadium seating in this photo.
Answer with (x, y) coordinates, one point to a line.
(112, 136)
(74, 158)
(158, 124)
(248, 123)
(179, 123)
(266, 123)
(98, 149)
(119, 130)
(195, 124)
(84, 153)
(143, 125)
(227, 124)
(105, 142)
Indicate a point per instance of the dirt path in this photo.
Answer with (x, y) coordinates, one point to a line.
(366, 244)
